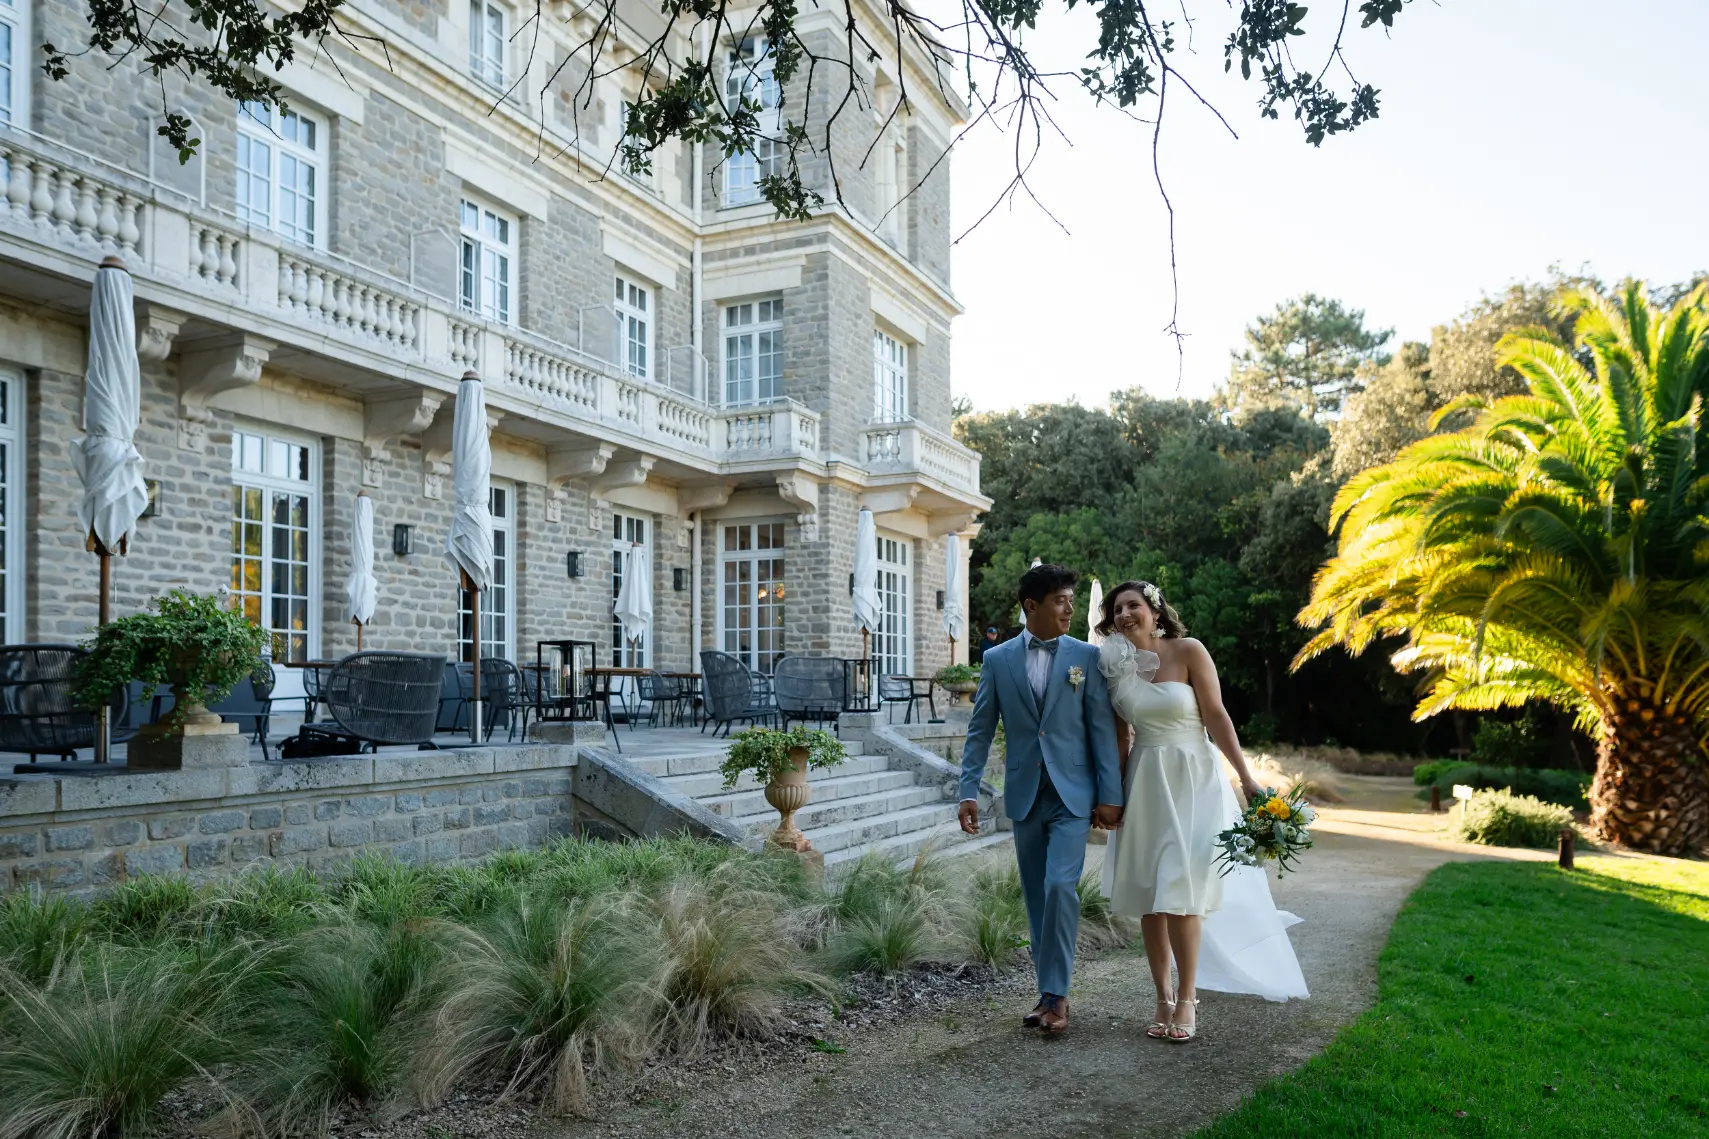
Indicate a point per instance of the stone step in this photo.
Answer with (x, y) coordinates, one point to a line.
(875, 829)
(946, 840)
(709, 784)
(702, 759)
(740, 804)
(815, 818)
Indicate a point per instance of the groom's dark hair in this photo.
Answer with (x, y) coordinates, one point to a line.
(1041, 581)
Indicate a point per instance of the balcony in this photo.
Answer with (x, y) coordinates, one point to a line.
(377, 337)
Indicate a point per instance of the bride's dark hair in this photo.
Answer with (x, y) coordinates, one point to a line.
(1169, 623)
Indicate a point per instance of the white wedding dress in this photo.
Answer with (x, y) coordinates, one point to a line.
(1163, 857)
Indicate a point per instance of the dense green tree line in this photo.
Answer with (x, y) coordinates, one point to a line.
(1225, 503)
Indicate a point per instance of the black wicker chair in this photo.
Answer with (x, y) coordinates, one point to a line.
(381, 698)
(732, 691)
(894, 690)
(250, 704)
(37, 713)
(660, 694)
(809, 688)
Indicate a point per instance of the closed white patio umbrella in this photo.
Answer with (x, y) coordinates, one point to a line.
(634, 608)
(1094, 602)
(955, 617)
(361, 589)
(106, 458)
(864, 588)
(469, 547)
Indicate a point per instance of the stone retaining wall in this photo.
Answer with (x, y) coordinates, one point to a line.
(81, 832)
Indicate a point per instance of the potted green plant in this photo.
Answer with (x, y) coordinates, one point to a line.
(196, 645)
(959, 680)
(781, 759)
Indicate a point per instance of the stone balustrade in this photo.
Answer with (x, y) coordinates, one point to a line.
(781, 428)
(909, 446)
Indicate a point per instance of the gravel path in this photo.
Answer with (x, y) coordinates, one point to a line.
(970, 1070)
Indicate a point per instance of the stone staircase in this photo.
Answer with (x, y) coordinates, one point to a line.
(862, 805)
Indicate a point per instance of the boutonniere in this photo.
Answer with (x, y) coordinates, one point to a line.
(1076, 676)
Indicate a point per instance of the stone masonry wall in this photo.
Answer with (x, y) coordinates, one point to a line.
(84, 833)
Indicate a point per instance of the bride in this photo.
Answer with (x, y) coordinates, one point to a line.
(1223, 933)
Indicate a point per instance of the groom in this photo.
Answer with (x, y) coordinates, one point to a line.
(1062, 777)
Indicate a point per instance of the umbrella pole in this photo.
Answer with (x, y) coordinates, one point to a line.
(358, 625)
(104, 613)
(475, 654)
(866, 666)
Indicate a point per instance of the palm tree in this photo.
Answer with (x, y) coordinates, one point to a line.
(1557, 549)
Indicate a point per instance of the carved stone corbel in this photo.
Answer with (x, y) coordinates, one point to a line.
(208, 369)
(156, 329)
(566, 464)
(937, 525)
(616, 476)
(704, 496)
(386, 419)
(890, 500)
(801, 492)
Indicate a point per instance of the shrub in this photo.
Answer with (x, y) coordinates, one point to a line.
(958, 674)
(195, 643)
(38, 931)
(1501, 818)
(1509, 743)
(1429, 771)
(93, 1051)
(550, 991)
(1566, 788)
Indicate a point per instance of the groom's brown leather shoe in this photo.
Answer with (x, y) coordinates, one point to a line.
(1055, 1019)
(1036, 1017)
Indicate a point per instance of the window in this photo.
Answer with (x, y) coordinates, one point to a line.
(274, 540)
(495, 603)
(751, 616)
(748, 77)
(889, 378)
(487, 42)
(488, 253)
(11, 508)
(631, 305)
(891, 646)
(278, 170)
(627, 532)
(892, 169)
(753, 352)
(15, 63)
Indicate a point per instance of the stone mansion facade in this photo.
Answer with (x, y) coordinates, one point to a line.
(666, 361)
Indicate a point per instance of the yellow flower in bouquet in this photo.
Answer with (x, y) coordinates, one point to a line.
(1277, 808)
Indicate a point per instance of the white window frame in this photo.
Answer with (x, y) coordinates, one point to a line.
(889, 377)
(893, 643)
(487, 260)
(752, 336)
(280, 132)
(759, 569)
(489, 61)
(15, 17)
(270, 476)
(636, 306)
(13, 531)
(628, 531)
(498, 604)
(748, 71)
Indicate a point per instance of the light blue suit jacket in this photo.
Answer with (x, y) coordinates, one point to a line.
(1073, 736)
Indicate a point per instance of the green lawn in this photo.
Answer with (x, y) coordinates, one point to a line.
(1519, 999)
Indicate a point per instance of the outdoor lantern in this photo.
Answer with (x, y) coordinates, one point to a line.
(564, 682)
(851, 585)
(573, 562)
(400, 539)
(152, 510)
(940, 601)
(679, 579)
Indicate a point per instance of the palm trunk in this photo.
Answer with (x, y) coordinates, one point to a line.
(1651, 791)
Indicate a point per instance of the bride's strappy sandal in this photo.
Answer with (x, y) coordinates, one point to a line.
(1160, 1028)
(1181, 1033)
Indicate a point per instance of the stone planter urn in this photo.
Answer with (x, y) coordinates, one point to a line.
(960, 691)
(789, 793)
(192, 738)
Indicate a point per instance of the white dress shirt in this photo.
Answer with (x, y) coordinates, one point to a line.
(1038, 665)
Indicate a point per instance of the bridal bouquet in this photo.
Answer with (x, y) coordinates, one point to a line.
(1273, 828)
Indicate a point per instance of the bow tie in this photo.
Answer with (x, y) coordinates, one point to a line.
(1048, 646)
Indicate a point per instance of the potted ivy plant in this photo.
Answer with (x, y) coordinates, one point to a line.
(959, 680)
(782, 758)
(194, 644)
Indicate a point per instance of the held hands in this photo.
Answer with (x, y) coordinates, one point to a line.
(1106, 817)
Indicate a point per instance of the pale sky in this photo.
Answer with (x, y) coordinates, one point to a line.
(1513, 134)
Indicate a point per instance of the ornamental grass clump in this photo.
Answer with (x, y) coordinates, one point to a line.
(1501, 818)
(38, 931)
(886, 919)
